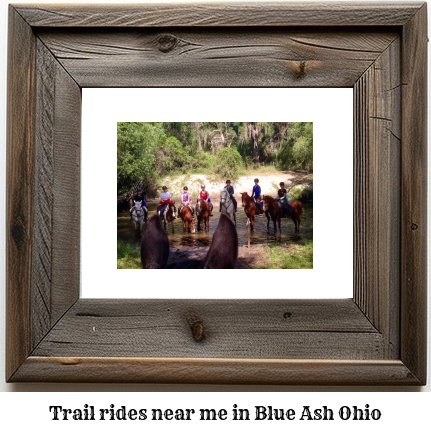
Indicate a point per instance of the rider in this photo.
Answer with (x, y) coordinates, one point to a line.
(256, 194)
(283, 198)
(165, 199)
(186, 200)
(231, 191)
(138, 197)
(203, 194)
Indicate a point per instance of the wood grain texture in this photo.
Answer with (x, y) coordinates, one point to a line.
(19, 178)
(234, 329)
(376, 338)
(216, 15)
(413, 194)
(211, 57)
(215, 371)
(377, 192)
(56, 211)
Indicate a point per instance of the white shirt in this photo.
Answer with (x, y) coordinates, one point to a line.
(165, 196)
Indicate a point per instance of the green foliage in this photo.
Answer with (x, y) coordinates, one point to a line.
(229, 163)
(284, 256)
(147, 152)
(128, 255)
(296, 152)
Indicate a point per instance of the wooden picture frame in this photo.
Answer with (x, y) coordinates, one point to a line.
(378, 337)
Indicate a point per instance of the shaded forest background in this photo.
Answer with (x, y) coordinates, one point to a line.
(148, 152)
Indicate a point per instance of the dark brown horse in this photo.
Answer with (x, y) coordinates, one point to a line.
(250, 208)
(169, 214)
(275, 211)
(154, 245)
(203, 214)
(187, 217)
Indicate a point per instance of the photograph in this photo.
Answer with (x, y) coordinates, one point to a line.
(175, 180)
(87, 87)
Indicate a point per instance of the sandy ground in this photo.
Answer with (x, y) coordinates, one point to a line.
(268, 183)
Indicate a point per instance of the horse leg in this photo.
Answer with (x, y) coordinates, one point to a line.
(252, 223)
(279, 224)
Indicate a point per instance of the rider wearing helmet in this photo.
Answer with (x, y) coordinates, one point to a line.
(231, 191)
(256, 195)
(203, 194)
(186, 199)
(138, 197)
(165, 199)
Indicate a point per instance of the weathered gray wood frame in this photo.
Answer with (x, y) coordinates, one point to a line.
(378, 337)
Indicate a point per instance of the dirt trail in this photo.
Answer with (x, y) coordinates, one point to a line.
(268, 183)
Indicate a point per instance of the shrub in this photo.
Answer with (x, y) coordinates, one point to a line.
(229, 163)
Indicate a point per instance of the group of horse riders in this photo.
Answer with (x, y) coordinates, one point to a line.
(165, 197)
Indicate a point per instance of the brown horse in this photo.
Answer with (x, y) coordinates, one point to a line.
(169, 214)
(203, 212)
(274, 210)
(250, 208)
(154, 245)
(187, 217)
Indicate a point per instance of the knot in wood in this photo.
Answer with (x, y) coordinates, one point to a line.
(197, 327)
(300, 69)
(166, 42)
(414, 226)
(18, 233)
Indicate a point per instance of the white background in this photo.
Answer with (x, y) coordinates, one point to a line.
(402, 408)
(330, 110)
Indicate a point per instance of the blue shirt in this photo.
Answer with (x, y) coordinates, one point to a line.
(256, 191)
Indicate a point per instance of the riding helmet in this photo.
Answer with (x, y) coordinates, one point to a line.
(185, 188)
(256, 179)
(164, 188)
(227, 181)
(281, 184)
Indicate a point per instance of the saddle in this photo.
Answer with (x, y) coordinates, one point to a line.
(286, 208)
(258, 207)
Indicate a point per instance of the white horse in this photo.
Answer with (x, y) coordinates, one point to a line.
(227, 205)
(138, 215)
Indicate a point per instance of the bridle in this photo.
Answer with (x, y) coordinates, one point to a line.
(138, 212)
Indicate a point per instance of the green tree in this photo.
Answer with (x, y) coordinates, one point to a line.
(136, 145)
(229, 163)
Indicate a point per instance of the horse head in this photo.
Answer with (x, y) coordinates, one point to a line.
(224, 195)
(173, 209)
(154, 245)
(265, 202)
(244, 199)
(192, 225)
(202, 205)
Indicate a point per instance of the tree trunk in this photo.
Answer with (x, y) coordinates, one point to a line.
(254, 135)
